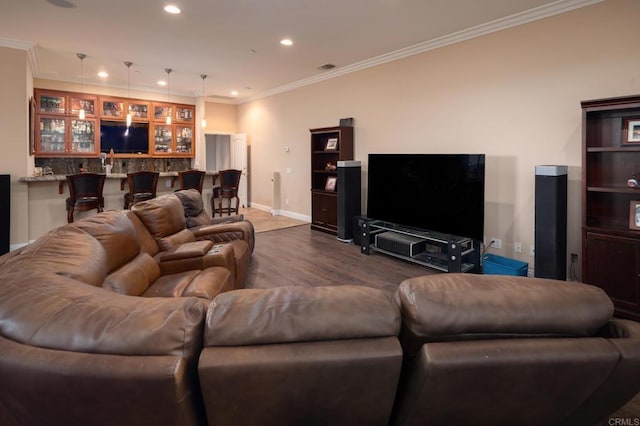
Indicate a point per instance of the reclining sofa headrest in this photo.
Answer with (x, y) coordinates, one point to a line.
(300, 314)
(164, 218)
(445, 307)
(67, 251)
(44, 309)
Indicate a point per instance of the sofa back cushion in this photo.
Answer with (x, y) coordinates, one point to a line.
(164, 218)
(147, 243)
(468, 306)
(67, 251)
(43, 309)
(134, 277)
(300, 314)
(116, 234)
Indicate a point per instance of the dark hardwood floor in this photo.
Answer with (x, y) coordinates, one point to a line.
(300, 256)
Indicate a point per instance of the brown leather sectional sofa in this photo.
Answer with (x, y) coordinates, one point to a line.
(133, 318)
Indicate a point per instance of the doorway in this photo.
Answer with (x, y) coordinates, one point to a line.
(228, 151)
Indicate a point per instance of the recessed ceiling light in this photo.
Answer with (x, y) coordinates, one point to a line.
(62, 3)
(172, 8)
(162, 83)
(286, 42)
(234, 93)
(103, 74)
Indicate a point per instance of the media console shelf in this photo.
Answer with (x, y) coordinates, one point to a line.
(444, 252)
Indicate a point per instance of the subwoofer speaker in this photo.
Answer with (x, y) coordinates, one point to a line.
(551, 222)
(349, 205)
(5, 213)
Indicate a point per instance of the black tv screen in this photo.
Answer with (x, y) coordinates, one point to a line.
(114, 135)
(435, 192)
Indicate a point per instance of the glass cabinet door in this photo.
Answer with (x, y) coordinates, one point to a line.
(51, 103)
(184, 114)
(87, 103)
(184, 139)
(113, 108)
(52, 133)
(83, 136)
(162, 138)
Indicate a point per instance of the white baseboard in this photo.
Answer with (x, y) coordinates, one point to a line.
(286, 213)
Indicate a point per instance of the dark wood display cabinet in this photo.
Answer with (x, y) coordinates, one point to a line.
(611, 200)
(58, 130)
(328, 146)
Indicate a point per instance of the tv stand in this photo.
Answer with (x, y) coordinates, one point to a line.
(444, 252)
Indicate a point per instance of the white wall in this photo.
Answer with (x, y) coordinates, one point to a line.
(514, 95)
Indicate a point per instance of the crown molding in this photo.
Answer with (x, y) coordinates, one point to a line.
(535, 14)
(30, 48)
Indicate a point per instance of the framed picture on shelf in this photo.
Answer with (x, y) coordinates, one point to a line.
(330, 185)
(631, 131)
(634, 215)
(332, 144)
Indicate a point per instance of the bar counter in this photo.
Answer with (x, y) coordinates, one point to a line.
(47, 195)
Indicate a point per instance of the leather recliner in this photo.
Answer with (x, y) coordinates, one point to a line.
(501, 350)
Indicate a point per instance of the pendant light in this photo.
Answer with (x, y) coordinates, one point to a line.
(129, 115)
(203, 123)
(81, 113)
(168, 71)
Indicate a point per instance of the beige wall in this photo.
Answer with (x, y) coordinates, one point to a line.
(514, 95)
(15, 89)
(221, 118)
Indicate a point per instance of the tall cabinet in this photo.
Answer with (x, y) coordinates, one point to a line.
(611, 200)
(328, 146)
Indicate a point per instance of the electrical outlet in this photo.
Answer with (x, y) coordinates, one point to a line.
(574, 257)
(497, 243)
(517, 247)
(168, 183)
(532, 250)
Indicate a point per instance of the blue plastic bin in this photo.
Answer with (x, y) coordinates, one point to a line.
(498, 265)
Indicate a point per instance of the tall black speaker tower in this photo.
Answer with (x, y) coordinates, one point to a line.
(551, 222)
(349, 181)
(5, 213)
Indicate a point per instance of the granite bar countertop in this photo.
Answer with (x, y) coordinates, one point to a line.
(62, 179)
(57, 178)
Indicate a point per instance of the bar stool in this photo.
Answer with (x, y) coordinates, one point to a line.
(191, 179)
(228, 190)
(142, 186)
(85, 193)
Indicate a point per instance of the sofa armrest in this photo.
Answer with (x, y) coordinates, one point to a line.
(187, 251)
(225, 232)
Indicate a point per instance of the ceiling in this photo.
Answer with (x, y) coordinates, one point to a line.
(236, 42)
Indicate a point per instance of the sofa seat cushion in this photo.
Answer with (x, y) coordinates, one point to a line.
(66, 251)
(51, 311)
(209, 283)
(205, 284)
(171, 285)
(460, 306)
(135, 277)
(298, 314)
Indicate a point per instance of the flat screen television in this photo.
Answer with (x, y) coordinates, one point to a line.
(114, 135)
(435, 192)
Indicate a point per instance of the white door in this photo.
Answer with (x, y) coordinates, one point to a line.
(239, 162)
